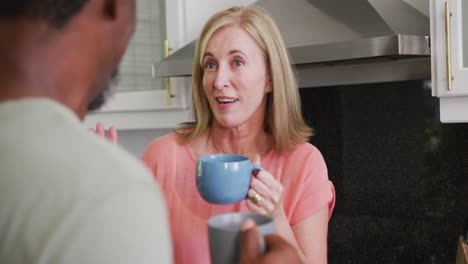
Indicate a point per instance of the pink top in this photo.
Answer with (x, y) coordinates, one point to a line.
(302, 172)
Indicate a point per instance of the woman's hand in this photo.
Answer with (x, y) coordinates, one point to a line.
(265, 193)
(100, 131)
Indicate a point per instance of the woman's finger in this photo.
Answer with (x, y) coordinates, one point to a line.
(261, 201)
(270, 181)
(100, 129)
(255, 208)
(100, 132)
(113, 135)
(259, 187)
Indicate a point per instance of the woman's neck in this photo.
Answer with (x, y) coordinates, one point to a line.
(244, 141)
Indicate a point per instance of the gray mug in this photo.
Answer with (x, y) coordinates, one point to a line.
(224, 178)
(224, 232)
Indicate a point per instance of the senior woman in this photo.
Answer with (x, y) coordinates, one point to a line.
(246, 102)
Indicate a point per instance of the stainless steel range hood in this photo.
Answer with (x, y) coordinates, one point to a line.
(333, 42)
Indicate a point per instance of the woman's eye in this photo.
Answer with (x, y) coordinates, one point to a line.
(238, 63)
(210, 65)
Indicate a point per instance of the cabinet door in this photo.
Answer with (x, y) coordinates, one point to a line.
(138, 87)
(449, 47)
(449, 59)
(143, 100)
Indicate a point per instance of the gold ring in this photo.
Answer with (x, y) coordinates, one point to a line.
(257, 198)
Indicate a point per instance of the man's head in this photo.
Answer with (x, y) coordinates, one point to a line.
(68, 50)
(54, 12)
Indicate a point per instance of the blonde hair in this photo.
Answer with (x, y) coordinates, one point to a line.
(283, 117)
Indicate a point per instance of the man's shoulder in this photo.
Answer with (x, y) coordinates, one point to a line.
(53, 146)
(110, 161)
(82, 157)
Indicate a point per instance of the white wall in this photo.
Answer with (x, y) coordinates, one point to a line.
(135, 141)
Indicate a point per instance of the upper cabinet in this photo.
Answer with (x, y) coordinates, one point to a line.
(143, 100)
(449, 49)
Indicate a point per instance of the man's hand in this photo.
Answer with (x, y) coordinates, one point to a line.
(277, 249)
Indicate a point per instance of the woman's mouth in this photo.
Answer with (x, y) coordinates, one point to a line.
(226, 100)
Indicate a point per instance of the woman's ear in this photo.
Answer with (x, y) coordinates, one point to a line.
(269, 84)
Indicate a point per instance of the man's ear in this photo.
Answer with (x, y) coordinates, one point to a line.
(120, 15)
(111, 8)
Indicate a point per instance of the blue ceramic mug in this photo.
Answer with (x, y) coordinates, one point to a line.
(224, 178)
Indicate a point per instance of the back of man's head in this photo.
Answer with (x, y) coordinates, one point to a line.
(66, 50)
(54, 12)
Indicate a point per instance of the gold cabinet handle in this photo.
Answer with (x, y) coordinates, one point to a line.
(448, 52)
(169, 94)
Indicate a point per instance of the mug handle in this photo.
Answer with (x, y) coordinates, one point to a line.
(257, 167)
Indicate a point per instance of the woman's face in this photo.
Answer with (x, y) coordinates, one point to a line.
(235, 78)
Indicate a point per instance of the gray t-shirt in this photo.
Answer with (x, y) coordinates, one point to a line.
(67, 196)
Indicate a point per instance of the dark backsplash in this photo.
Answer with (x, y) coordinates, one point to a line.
(401, 177)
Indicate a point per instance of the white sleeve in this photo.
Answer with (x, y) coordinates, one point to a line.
(129, 226)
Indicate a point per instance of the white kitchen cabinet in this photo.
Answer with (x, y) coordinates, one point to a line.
(143, 101)
(449, 56)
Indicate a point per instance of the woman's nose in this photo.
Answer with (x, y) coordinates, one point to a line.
(222, 78)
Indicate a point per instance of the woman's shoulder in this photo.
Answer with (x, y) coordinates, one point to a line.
(303, 153)
(162, 145)
(164, 140)
(305, 149)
